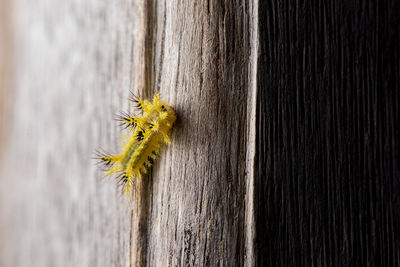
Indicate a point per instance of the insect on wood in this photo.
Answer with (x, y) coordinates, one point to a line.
(148, 133)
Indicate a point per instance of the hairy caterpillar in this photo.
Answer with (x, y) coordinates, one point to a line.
(148, 132)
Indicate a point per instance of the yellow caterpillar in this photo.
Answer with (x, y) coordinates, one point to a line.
(148, 132)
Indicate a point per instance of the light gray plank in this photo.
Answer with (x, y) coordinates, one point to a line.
(73, 72)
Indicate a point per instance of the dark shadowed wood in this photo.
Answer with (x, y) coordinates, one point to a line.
(327, 173)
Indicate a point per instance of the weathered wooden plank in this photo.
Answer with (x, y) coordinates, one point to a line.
(318, 109)
(198, 190)
(73, 73)
(6, 48)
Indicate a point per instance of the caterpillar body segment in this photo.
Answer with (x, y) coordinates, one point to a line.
(148, 133)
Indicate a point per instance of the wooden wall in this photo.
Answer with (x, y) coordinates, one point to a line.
(285, 151)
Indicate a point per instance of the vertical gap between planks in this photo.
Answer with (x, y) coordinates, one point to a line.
(142, 189)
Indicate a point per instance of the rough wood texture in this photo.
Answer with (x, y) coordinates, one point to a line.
(198, 194)
(76, 62)
(73, 73)
(285, 152)
(327, 173)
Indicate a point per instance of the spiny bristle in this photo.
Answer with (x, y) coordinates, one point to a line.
(126, 120)
(133, 97)
(103, 159)
(124, 183)
(138, 102)
(140, 135)
(123, 179)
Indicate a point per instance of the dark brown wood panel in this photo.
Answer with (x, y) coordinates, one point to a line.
(327, 173)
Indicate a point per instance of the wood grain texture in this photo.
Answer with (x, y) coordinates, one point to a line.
(285, 151)
(75, 65)
(73, 73)
(198, 195)
(6, 48)
(327, 172)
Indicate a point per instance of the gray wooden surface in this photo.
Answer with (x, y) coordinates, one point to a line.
(74, 67)
(6, 46)
(75, 62)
